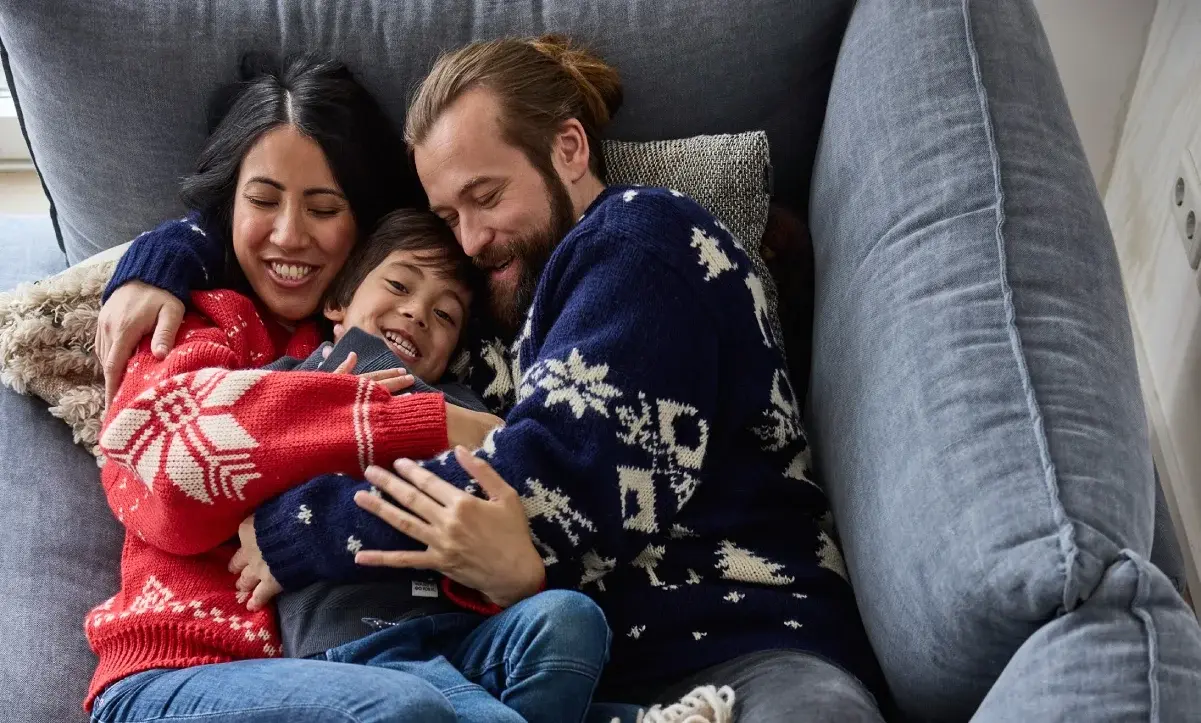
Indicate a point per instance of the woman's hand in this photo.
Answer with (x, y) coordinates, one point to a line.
(465, 428)
(134, 310)
(483, 544)
(254, 576)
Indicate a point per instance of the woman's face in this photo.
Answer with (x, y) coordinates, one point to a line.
(292, 226)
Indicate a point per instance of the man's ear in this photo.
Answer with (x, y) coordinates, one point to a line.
(570, 151)
(333, 312)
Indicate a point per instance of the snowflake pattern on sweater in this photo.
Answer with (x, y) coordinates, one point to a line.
(655, 441)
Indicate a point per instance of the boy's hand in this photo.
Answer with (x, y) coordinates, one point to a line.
(393, 380)
(254, 574)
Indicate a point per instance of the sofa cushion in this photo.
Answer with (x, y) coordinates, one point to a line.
(113, 95)
(28, 248)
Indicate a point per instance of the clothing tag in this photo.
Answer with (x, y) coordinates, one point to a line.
(424, 589)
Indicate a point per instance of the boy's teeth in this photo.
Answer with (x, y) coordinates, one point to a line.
(291, 271)
(405, 345)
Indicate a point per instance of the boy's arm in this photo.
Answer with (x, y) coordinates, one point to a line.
(178, 256)
(194, 443)
(605, 445)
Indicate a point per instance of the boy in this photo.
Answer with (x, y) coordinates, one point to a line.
(403, 298)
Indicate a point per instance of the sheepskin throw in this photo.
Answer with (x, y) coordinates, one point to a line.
(47, 330)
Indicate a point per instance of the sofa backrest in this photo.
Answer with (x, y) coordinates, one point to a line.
(113, 94)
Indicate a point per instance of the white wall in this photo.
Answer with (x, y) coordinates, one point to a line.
(1098, 45)
(1165, 305)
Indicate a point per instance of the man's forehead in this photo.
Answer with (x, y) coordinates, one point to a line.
(463, 145)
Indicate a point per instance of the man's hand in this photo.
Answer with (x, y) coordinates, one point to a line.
(254, 575)
(483, 544)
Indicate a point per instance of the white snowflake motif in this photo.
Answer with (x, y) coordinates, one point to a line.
(629, 196)
(679, 532)
(154, 597)
(693, 578)
(494, 355)
(783, 425)
(648, 560)
(572, 382)
(654, 431)
(800, 596)
(353, 545)
(544, 502)
(759, 298)
(516, 369)
(799, 468)
(733, 597)
(698, 635)
(636, 631)
(184, 429)
(712, 257)
(793, 624)
(305, 515)
(675, 193)
(489, 447)
(742, 565)
(829, 557)
(595, 568)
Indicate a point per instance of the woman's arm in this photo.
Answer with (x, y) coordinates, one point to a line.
(148, 292)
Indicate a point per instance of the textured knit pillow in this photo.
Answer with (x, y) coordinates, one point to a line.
(730, 175)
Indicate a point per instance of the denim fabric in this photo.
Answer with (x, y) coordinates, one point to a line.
(771, 686)
(114, 95)
(537, 661)
(273, 691)
(975, 407)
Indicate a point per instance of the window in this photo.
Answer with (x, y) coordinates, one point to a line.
(14, 154)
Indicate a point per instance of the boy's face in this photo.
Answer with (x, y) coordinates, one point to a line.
(417, 311)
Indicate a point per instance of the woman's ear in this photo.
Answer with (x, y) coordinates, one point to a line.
(333, 312)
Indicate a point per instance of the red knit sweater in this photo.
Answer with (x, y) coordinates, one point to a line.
(193, 444)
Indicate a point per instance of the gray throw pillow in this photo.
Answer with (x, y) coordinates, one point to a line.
(729, 174)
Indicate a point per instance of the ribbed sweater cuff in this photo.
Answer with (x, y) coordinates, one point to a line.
(159, 262)
(289, 555)
(412, 426)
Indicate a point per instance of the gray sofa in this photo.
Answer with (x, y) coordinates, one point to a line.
(974, 407)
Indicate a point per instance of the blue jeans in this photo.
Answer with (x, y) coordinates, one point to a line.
(537, 661)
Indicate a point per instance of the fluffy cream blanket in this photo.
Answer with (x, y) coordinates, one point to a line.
(47, 331)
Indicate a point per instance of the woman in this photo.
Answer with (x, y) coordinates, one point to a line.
(300, 160)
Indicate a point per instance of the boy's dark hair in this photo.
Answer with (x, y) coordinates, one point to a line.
(419, 232)
(321, 99)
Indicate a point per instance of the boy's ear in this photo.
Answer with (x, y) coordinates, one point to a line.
(333, 312)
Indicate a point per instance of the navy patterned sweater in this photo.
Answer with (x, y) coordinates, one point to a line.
(656, 443)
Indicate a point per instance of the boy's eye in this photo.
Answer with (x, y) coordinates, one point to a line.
(445, 316)
(399, 286)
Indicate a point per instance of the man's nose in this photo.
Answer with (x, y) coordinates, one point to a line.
(474, 237)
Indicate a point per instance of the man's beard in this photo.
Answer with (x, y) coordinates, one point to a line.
(532, 251)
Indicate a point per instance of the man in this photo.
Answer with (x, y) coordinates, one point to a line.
(654, 439)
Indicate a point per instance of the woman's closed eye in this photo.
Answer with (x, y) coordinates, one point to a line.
(262, 202)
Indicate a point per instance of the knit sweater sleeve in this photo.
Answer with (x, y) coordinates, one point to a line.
(604, 446)
(196, 441)
(179, 256)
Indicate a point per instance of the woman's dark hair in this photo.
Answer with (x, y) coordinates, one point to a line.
(322, 100)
